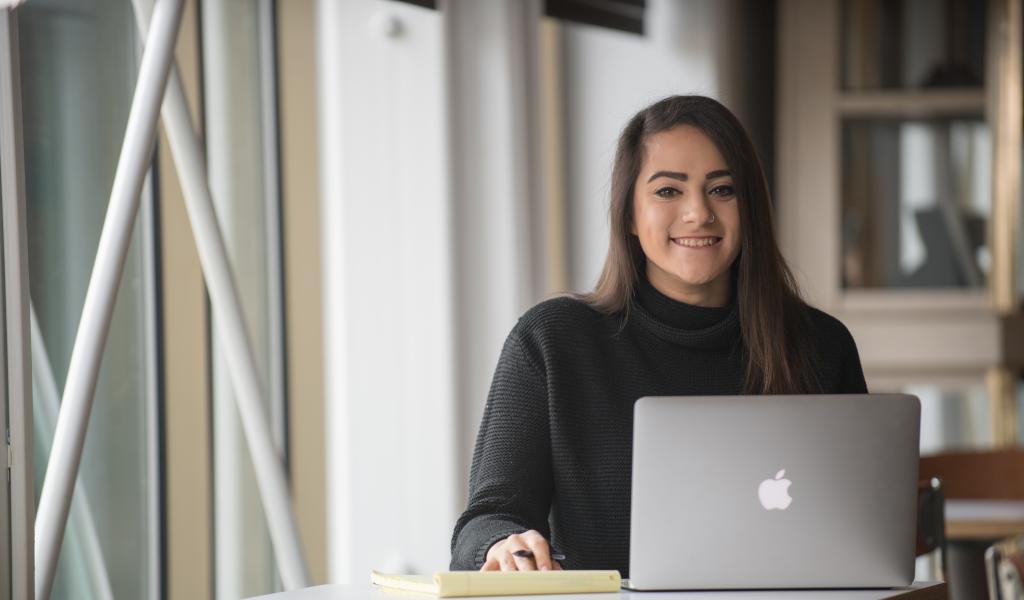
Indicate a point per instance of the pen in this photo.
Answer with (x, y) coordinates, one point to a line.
(555, 554)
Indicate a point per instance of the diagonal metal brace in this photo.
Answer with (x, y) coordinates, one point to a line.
(86, 356)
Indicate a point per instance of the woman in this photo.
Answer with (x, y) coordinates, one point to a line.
(694, 299)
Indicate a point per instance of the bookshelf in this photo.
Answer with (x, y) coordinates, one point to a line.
(898, 190)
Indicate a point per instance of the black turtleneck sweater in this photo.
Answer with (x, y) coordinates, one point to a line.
(554, 451)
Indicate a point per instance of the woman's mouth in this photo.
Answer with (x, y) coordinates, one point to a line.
(696, 242)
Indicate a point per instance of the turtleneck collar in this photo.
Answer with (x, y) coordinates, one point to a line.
(685, 324)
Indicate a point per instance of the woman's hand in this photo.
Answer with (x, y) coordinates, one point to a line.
(500, 556)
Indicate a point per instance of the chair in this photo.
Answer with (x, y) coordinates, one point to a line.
(931, 524)
(1004, 566)
(973, 475)
(977, 475)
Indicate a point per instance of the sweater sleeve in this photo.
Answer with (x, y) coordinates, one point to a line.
(510, 483)
(852, 375)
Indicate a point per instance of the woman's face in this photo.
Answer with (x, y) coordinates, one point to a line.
(686, 216)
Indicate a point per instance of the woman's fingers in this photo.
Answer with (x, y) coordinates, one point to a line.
(507, 561)
(523, 562)
(516, 546)
(539, 547)
(493, 560)
(532, 549)
(499, 558)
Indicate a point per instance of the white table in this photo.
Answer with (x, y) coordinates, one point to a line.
(920, 591)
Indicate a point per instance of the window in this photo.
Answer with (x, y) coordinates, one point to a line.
(78, 66)
(241, 130)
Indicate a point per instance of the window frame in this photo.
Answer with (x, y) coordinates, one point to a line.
(18, 503)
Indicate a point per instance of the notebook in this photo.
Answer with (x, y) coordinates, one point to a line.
(447, 584)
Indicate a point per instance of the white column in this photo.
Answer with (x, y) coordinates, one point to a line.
(432, 249)
(498, 206)
(387, 288)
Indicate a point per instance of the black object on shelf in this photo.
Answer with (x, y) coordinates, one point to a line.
(423, 3)
(623, 15)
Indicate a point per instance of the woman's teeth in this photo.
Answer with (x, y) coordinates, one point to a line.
(695, 242)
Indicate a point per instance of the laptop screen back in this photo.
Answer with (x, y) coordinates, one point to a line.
(809, 491)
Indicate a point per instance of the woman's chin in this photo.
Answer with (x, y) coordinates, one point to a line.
(697, 281)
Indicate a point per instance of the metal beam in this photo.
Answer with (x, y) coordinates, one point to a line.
(83, 371)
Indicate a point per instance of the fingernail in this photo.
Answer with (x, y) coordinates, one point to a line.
(545, 568)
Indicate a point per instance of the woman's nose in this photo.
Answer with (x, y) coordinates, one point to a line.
(695, 209)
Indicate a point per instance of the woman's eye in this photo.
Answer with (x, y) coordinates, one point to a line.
(723, 190)
(666, 192)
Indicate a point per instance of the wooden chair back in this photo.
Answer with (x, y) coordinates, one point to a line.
(977, 475)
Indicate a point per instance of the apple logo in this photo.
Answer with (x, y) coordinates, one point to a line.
(774, 493)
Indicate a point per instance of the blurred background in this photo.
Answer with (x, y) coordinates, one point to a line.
(398, 181)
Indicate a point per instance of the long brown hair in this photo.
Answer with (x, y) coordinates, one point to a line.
(773, 318)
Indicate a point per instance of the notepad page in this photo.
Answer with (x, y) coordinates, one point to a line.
(499, 583)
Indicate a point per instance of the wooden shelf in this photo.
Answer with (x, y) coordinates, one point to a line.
(945, 102)
(916, 301)
(891, 344)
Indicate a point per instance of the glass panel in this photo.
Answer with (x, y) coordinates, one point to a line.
(959, 418)
(242, 156)
(913, 43)
(953, 418)
(78, 64)
(916, 198)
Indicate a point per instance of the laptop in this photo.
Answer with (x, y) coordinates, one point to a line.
(783, 492)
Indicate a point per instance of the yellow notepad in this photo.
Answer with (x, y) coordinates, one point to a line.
(500, 583)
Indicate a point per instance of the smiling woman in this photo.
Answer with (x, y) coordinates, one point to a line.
(694, 300)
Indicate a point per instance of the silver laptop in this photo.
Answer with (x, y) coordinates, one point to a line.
(754, 492)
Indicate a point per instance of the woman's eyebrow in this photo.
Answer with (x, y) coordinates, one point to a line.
(684, 177)
(672, 174)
